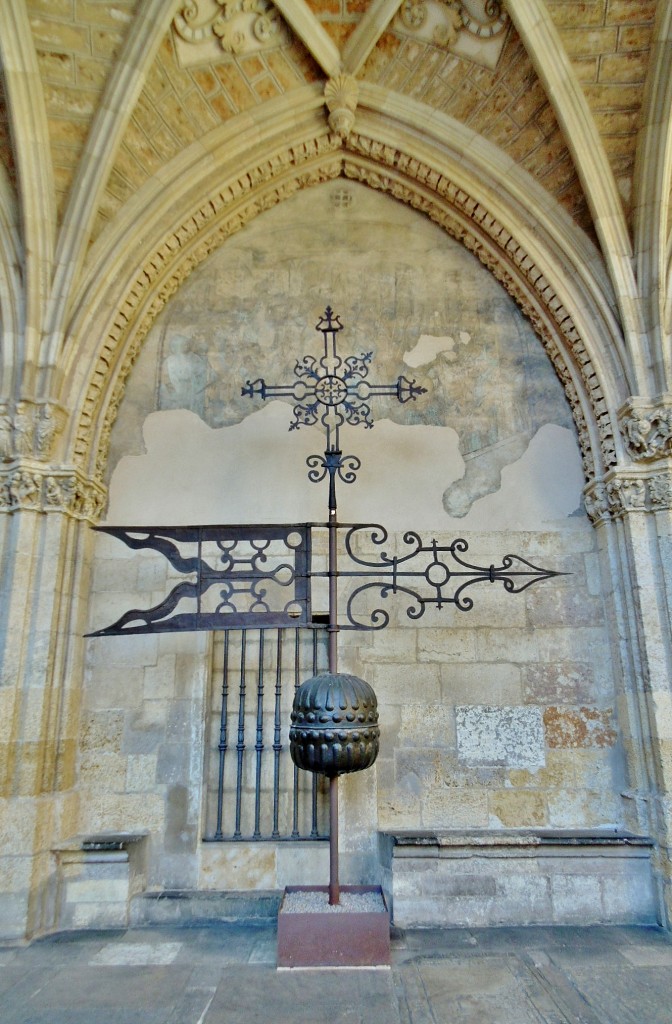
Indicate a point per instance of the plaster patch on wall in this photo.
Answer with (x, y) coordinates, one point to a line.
(405, 292)
(544, 485)
(508, 736)
(255, 471)
(428, 348)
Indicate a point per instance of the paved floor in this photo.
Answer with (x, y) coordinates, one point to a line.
(225, 974)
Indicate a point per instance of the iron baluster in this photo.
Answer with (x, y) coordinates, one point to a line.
(277, 744)
(259, 745)
(314, 829)
(223, 730)
(295, 779)
(240, 746)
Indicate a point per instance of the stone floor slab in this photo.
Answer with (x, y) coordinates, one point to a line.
(255, 995)
(626, 996)
(225, 974)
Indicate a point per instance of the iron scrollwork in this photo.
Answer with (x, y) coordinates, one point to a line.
(429, 574)
(333, 391)
(261, 573)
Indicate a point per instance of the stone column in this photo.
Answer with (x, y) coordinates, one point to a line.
(632, 509)
(44, 553)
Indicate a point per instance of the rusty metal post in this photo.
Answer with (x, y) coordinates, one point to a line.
(334, 887)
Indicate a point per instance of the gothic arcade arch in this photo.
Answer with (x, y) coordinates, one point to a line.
(548, 266)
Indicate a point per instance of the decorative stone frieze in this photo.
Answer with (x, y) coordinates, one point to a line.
(647, 428)
(28, 484)
(28, 429)
(624, 492)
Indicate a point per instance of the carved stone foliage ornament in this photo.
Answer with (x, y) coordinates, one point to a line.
(202, 29)
(647, 428)
(474, 29)
(28, 433)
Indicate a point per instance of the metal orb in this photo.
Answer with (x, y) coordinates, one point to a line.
(334, 725)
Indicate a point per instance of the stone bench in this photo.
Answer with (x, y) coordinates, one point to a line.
(96, 878)
(487, 878)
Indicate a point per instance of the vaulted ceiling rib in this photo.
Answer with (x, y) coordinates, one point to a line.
(102, 103)
(30, 141)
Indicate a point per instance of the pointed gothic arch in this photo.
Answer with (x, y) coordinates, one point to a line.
(544, 261)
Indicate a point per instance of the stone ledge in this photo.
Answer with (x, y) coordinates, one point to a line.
(535, 839)
(97, 876)
(101, 842)
(485, 878)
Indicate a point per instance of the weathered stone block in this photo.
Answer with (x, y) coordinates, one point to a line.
(446, 645)
(564, 683)
(403, 684)
(510, 736)
(454, 808)
(513, 809)
(426, 725)
(579, 727)
(481, 683)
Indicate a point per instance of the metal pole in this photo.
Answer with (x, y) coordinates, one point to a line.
(334, 888)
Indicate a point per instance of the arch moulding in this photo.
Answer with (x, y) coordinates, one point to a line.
(547, 297)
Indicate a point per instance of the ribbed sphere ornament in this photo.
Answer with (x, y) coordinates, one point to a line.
(334, 725)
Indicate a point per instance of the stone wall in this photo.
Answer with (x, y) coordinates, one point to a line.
(499, 718)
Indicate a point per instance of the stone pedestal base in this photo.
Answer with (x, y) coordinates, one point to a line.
(330, 938)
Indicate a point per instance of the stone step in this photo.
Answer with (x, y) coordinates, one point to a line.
(191, 907)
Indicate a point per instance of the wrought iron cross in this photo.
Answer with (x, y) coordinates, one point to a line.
(333, 391)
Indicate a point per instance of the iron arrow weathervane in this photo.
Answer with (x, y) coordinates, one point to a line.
(332, 391)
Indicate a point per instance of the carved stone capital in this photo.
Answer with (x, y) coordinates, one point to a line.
(646, 425)
(30, 485)
(625, 492)
(28, 429)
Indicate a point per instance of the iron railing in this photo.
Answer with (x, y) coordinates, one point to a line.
(254, 791)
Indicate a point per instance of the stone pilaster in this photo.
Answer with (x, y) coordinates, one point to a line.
(632, 509)
(44, 552)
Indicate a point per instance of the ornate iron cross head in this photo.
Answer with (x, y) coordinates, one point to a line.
(333, 391)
